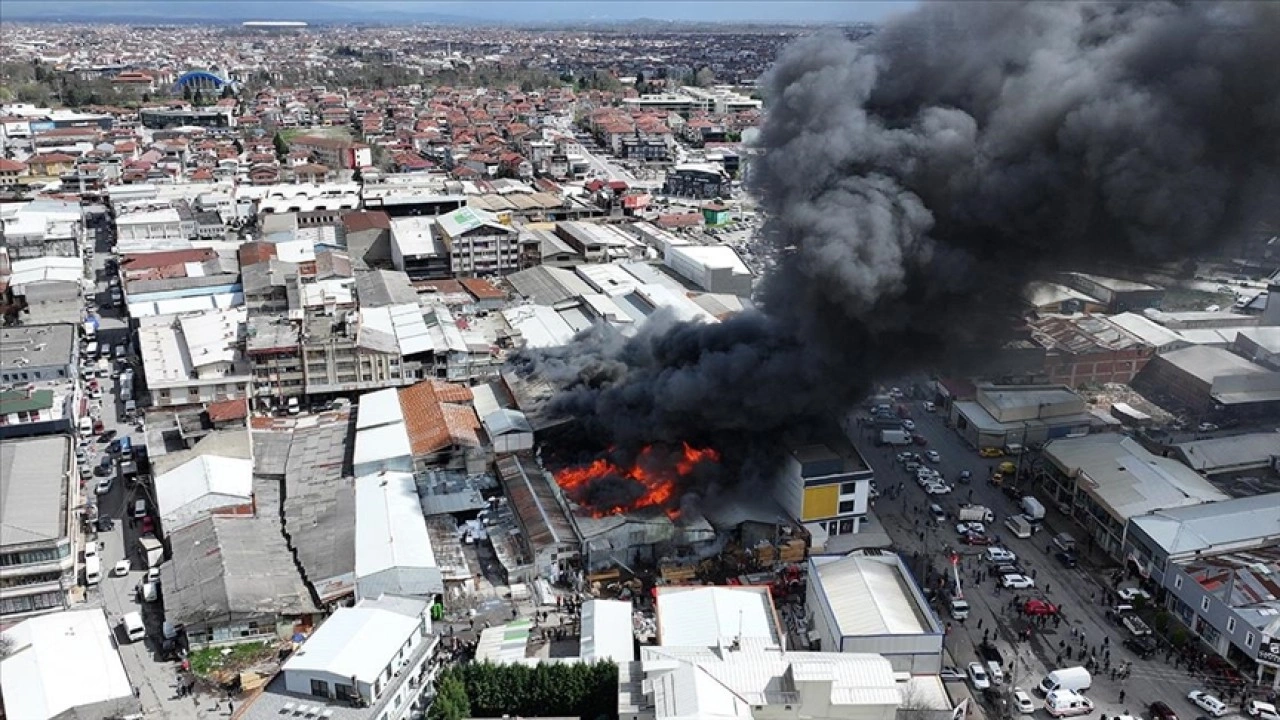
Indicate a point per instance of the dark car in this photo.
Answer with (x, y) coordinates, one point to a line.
(1009, 569)
(104, 523)
(1068, 559)
(107, 436)
(1144, 647)
(1161, 711)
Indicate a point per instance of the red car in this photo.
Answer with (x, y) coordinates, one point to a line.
(920, 439)
(1040, 607)
(976, 539)
(148, 525)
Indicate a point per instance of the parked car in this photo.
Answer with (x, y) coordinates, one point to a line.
(1000, 555)
(978, 676)
(908, 425)
(1067, 559)
(140, 508)
(919, 439)
(121, 569)
(1161, 711)
(148, 526)
(965, 476)
(934, 456)
(951, 673)
(1144, 647)
(104, 485)
(937, 488)
(1130, 594)
(1208, 703)
(1012, 569)
(965, 528)
(1040, 607)
(1262, 710)
(975, 539)
(1022, 701)
(991, 452)
(936, 512)
(1017, 582)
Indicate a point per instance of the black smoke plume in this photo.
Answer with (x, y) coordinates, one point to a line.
(914, 181)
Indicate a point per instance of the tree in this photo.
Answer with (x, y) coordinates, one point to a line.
(357, 176)
(198, 100)
(227, 92)
(706, 77)
(186, 93)
(451, 701)
(282, 147)
(146, 97)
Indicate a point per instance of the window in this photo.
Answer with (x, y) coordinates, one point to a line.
(1204, 603)
(319, 688)
(1231, 625)
(846, 506)
(848, 488)
(1177, 583)
(1248, 639)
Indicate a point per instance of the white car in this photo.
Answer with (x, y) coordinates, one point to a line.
(104, 485)
(1208, 703)
(908, 425)
(1129, 594)
(1262, 710)
(937, 488)
(965, 528)
(933, 456)
(1022, 701)
(978, 676)
(153, 575)
(121, 569)
(1017, 582)
(91, 549)
(1001, 555)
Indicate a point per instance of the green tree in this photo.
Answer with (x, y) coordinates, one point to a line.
(198, 100)
(186, 93)
(451, 701)
(227, 92)
(706, 77)
(282, 147)
(146, 97)
(357, 176)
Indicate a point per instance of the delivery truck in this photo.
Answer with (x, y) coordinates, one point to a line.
(1019, 526)
(895, 437)
(1075, 679)
(151, 550)
(1032, 509)
(976, 513)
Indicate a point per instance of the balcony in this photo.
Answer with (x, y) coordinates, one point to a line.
(407, 674)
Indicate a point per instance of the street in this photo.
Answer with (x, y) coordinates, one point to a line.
(1077, 592)
(154, 679)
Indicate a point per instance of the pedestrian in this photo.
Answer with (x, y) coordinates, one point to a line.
(1122, 695)
(979, 623)
(1046, 587)
(230, 709)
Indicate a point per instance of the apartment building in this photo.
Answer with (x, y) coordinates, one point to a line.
(39, 537)
(479, 245)
(335, 152)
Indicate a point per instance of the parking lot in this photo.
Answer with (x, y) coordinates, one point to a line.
(1030, 645)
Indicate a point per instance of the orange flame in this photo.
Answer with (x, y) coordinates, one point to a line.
(660, 482)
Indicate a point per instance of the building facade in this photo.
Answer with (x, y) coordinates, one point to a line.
(38, 558)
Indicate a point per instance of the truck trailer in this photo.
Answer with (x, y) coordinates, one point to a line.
(895, 437)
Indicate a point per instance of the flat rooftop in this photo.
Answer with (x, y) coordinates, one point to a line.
(33, 489)
(1201, 528)
(39, 346)
(1207, 363)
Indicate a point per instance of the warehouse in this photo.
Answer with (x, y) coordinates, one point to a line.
(713, 268)
(1022, 414)
(1104, 480)
(867, 602)
(1212, 379)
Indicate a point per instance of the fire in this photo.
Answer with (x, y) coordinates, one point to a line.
(652, 481)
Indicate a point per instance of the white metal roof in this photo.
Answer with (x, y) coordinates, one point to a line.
(383, 442)
(715, 616)
(539, 325)
(379, 408)
(390, 529)
(200, 478)
(45, 269)
(358, 642)
(712, 257)
(1213, 526)
(607, 632)
(867, 596)
(403, 322)
(61, 661)
(1126, 478)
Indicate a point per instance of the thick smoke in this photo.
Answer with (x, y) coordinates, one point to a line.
(916, 180)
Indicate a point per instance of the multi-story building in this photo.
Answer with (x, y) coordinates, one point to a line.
(34, 353)
(339, 356)
(275, 359)
(373, 661)
(480, 245)
(825, 484)
(335, 152)
(39, 526)
(695, 180)
(418, 249)
(195, 358)
(1118, 295)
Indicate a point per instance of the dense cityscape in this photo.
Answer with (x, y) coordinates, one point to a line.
(917, 369)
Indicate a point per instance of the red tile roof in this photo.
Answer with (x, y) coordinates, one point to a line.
(482, 289)
(163, 259)
(362, 220)
(252, 253)
(225, 410)
(439, 415)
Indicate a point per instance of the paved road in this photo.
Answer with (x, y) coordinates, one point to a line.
(1078, 591)
(156, 680)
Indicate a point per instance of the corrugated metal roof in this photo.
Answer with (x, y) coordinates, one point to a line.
(716, 616)
(868, 596)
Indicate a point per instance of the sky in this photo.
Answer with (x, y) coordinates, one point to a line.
(515, 11)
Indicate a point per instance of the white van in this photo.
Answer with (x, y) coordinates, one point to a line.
(1067, 703)
(92, 570)
(134, 629)
(85, 425)
(91, 350)
(1076, 679)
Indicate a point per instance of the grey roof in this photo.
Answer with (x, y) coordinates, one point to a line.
(378, 288)
(1207, 363)
(33, 489)
(320, 506)
(270, 452)
(547, 285)
(468, 500)
(267, 332)
(231, 566)
(52, 291)
(1231, 452)
(401, 580)
(503, 421)
(36, 346)
(234, 443)
(258, 277)
(552, 244)
(1204, 527)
